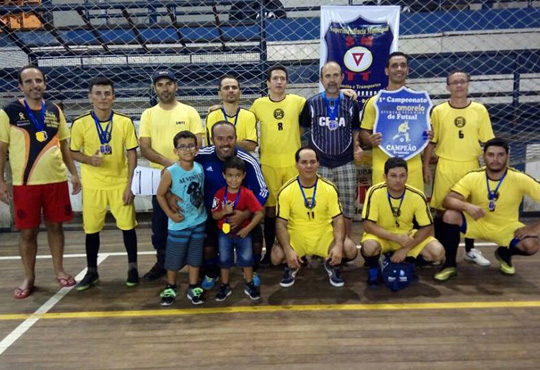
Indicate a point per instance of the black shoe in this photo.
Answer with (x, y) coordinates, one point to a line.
(252, 291)
(168, 295)
(133, 277)
(289, 277)
(223, 292)
(334, 274)
(90, 279)
(155, 273)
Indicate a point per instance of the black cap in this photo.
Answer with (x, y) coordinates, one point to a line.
(165, 73)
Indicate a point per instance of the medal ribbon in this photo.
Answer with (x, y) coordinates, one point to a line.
(493, 195)
(398, 212)
(235, 117)
(332, 112)
(235, 201)
(310, 206)
(104, 135)
(39, 125)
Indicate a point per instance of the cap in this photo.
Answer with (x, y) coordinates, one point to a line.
(166, 73)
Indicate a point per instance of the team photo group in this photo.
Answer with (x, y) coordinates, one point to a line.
(244, 190)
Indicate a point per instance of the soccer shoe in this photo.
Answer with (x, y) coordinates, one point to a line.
(252, 291)
(476, 256)
(89, 280)
(132, 278)
(155, 273)
(334, 274)
(506, 266)
(195, 295)
(445, 274)
(223, 292)
(168, 295)
(374, 276)
(289, 276)
(209, 283)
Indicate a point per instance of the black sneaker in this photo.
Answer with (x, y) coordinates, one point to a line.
(90, 279)
(168, 295)
(195, 295)
(223, 292)
(265, 262)
(252, 291)
(155, 273)
(334, 274)
(289, 276)
(133, 277)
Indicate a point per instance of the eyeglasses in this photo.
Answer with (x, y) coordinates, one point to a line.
(185, 148)
(460, 82)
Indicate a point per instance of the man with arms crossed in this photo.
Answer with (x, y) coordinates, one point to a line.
(35, 133)
(158, 127)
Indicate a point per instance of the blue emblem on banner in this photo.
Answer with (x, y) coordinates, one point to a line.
(402, 117)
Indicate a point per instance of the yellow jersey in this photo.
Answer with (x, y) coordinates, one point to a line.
(303, 221)
(516, 184)
(161, 126)
(34, 162)
(396, 215)
(113, 171)
(280, 129)
(458, 132)
(245, 123)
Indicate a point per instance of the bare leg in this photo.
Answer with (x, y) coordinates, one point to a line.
(193, 275)
(225, 275)
(28, 251)
(171, 277)
(55, 236)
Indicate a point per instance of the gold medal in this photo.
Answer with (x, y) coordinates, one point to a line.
(226, 228)
(41, 136)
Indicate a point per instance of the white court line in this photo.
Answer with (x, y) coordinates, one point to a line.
(78, 255)
(29, 322)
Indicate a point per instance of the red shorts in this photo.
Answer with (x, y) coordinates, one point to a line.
(30, 199)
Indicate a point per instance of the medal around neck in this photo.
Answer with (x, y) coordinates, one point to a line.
(226, 228)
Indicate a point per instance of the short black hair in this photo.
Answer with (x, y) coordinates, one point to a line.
(228, 76)
(184, 135)
(276, 68)
(325, 64)
(21, 70)
(397, 54)
(101, 81)
(297, 154)
(235, 163)
(496, 141)
(395, 162)
(219, 123)
(453, 72)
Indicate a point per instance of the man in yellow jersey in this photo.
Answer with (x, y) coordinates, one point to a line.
(278, 114)
(397, 70)
(230, 111)
(388, 213)
(459, 127)
(35, 133)
(105, 143)
(310, 222)
(485, 204)
(158, 126)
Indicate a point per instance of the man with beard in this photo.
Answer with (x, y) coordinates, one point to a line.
(158, 126)
(484, 204)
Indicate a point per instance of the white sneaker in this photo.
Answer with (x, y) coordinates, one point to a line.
(476, 256)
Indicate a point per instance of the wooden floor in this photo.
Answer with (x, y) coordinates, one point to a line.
(478, 320)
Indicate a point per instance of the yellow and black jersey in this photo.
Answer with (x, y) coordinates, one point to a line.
(244, 121)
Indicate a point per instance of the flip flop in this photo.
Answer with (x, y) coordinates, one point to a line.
(66, 282)
(19, 293)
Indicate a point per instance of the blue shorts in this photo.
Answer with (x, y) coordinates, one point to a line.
(184, 247)
(228, 244)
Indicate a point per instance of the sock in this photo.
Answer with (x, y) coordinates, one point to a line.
(515, 251)
(371, 261)
(130, 242)
(438, 224)
(172, 286)
(269, 233)
(450, 241)
(256, 262)
(92, 249)
(410, 259)
(504, 253)
(211, 267)
(192, 286)
(469, 244)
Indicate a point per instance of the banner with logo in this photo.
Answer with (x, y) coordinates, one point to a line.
(402, 117)
(359, 39)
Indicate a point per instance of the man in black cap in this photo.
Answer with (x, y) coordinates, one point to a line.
(158, 126)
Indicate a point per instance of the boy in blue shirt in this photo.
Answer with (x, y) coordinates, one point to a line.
(184, 179)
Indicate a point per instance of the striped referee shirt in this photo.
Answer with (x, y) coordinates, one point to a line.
(332, 141)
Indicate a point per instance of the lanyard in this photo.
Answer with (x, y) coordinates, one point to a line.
(309, 206)
(235, 201)
(493, 195)
(39, 125)
(395, 213)
(104, 135)
(332, 112)
(235, 117)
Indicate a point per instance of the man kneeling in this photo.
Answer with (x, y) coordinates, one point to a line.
(389, 211)
(310, 222)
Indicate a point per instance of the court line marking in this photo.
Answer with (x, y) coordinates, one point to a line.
(144, 253)
(40, 312)
(280, 308)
